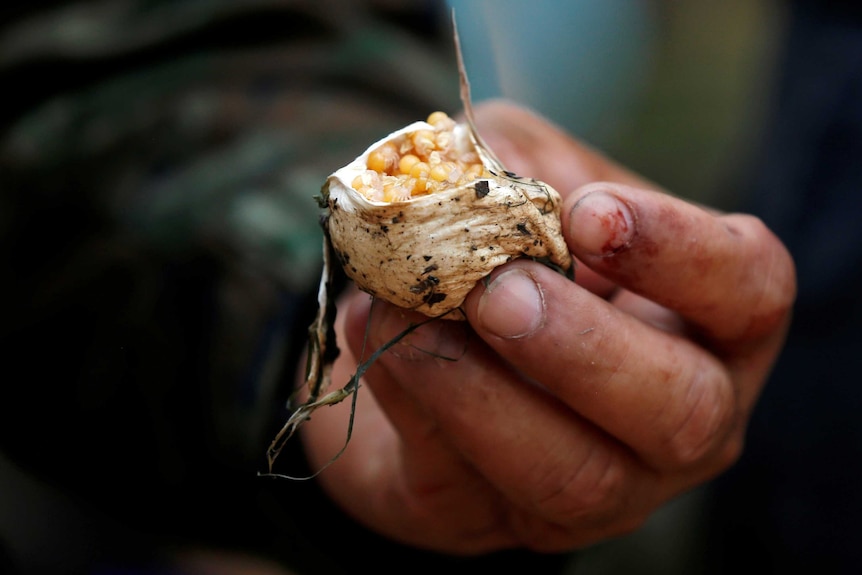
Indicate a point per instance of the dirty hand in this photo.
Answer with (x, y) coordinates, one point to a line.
(564, 413)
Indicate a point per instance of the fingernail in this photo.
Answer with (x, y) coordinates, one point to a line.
(512, 305)
(601, 223)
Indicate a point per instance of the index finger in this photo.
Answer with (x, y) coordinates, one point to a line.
(726, 274)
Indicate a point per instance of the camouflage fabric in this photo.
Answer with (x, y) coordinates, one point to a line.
(185, 120)
(184, 129)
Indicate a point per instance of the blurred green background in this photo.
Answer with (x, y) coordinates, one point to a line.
(675, 90)
(699, 119)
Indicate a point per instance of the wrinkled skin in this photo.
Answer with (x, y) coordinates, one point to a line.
(570, 416)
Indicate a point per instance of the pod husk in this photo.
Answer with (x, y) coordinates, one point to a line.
(427, 253)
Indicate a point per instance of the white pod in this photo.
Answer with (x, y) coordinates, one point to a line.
(427, 252)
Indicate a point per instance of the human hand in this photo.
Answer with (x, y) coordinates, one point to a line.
(564, 413)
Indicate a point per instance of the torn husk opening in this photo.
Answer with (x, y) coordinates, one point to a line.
(429, 210)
